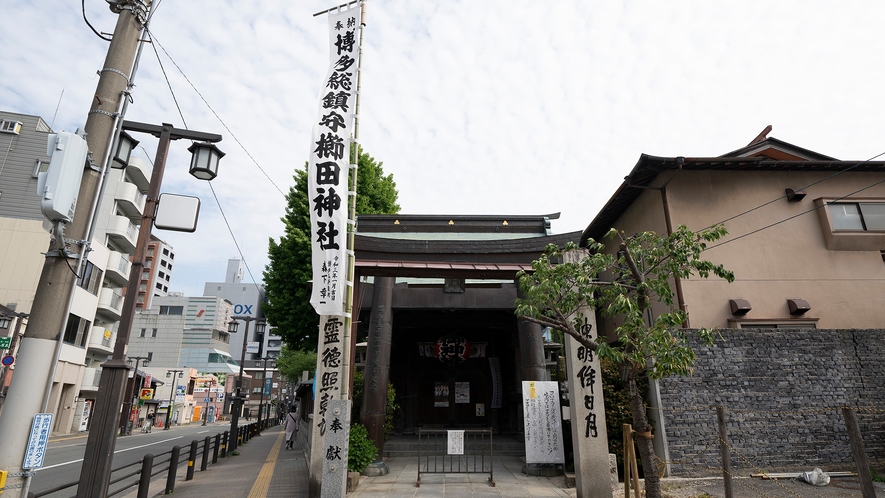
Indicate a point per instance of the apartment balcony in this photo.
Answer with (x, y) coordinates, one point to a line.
(110, 303)
(139, 173)
(123, 233)
(117, 272)
(130, 200)
(101, 339)
(91, 377)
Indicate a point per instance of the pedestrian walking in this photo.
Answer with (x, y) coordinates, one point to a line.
(148, 422)
(292, 427)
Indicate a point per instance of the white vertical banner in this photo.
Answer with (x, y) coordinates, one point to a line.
(329, 164)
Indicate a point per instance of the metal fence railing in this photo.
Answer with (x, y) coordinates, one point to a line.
(470, 452)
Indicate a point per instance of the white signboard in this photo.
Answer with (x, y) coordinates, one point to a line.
(252, 347)
(543, 427)
(329, 164)
(38, 441)
(455, 443)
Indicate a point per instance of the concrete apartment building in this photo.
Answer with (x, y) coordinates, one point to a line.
(97, 300)
(178, 331)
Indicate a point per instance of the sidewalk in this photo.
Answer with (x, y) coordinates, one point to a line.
(264, 469)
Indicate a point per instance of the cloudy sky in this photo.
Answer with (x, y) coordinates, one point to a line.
(474, 106)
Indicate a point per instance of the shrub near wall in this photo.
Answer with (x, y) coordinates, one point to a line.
(782, 391)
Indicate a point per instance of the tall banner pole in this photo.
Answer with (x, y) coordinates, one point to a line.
(333, 266)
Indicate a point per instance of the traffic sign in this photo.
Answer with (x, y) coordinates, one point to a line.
(7, 360)
(37, 441)
(5, 342)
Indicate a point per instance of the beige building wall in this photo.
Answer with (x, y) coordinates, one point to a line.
(21, 248)
(845, 288)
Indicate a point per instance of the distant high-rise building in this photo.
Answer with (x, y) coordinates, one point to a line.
(156, 274)
(247, 299)
(179, 331)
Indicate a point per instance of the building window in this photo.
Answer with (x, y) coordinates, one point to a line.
(159, 285)
(153, 332)
(90, 279)
(163, 263)
(40, 167)
(142, 333)
(865, 216)
(165, 252)
(10, 126)
(165, 289)
(852, 226)
(150, 356)
(171, 310)
(76, 331)
(161, 274)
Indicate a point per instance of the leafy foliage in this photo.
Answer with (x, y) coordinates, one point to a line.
(565, 282)
(291, 362)
(362, 450)
(287, 276)
(357, 405)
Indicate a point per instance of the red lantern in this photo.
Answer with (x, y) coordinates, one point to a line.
(452, 349)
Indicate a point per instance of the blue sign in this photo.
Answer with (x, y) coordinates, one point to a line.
(267, 384)
(38, 441)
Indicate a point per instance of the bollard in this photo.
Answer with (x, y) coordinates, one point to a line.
(144, 479)
(191, 459)
(215, 450)
(224, 438)
(205, 463)
(173, 469)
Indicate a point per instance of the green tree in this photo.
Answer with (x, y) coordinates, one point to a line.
(291, 362)
(287, 276)
(624, 287)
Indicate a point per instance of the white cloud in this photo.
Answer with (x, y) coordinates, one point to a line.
(475, 107)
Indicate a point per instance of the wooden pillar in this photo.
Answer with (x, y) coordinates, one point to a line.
(377, 370)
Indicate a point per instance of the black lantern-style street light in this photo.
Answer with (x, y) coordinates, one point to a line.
(204, 160)
(96, 470)
(123, 151)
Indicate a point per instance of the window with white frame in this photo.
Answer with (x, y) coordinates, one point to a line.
(10, 126)
(40, 166)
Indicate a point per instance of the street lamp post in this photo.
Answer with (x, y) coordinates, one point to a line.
(175, 374)
(237, 398)
(124, 421)
(95, 473)
(264, 383)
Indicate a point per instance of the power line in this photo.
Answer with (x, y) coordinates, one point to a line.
(217, 202)
(803, 188)
(795, 215)
(154, 39)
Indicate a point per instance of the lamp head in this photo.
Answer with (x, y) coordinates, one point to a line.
(123, 150)
(204, 160)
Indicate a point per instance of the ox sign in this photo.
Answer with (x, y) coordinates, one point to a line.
(243, 309)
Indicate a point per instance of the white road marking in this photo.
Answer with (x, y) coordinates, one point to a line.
(118, 451)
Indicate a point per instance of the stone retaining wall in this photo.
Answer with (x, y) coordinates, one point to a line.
(782, 391)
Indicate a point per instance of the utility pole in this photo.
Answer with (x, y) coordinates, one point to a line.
(48, 318)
